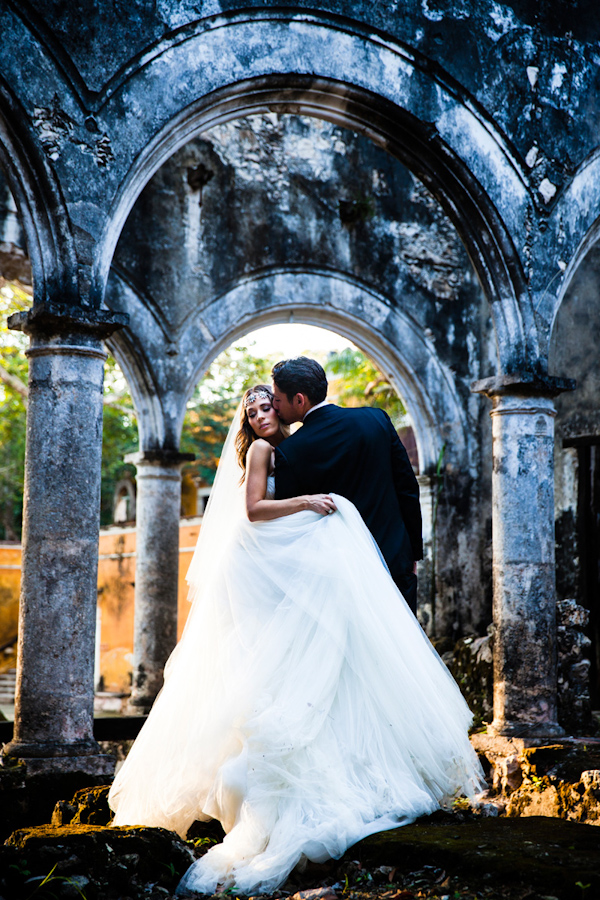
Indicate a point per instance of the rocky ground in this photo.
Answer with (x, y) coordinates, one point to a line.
(448, 856)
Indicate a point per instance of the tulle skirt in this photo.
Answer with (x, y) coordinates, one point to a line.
(304, 708)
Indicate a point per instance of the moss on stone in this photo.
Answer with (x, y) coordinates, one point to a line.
(116, 862)
(549, 853)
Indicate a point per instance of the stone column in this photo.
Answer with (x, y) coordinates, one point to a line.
(426, 566)
(157, 569)
(54, 709)
(523, 553)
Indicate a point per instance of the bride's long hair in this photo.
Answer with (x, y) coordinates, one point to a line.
(246, 435)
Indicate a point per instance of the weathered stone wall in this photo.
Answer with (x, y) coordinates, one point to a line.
(270, 194)
(492, 106)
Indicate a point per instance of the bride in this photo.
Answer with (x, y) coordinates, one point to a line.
(304, 707)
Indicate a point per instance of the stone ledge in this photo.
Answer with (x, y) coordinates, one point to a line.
(55, 318)
(525, 383)
(159, 457)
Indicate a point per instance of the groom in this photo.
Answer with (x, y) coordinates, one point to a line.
(352, 452)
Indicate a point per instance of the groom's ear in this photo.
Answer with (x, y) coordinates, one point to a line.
(300, 401)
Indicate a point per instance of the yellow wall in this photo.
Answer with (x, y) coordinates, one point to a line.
(116, 585)
(10, 580)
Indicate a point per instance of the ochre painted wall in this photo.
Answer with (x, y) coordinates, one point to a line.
(116, 586)
(10, 580)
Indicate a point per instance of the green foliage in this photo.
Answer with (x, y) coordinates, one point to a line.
(355, 381)
(119, 428)
(203, 842)
(56, 881)
(13, 298)
(119, 436)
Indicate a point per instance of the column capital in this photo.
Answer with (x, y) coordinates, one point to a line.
(53, 319)
(525, 384)
(159, 458)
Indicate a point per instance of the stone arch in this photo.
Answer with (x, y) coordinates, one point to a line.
(578, 213)
(40, 205)
(369, 84)
(145, 392)
(331, 300)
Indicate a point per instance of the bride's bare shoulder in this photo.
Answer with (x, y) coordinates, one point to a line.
(260, 449)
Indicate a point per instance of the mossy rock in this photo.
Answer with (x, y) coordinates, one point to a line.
(89, 806)
(133, 862)
(28, 800)
(550, 854)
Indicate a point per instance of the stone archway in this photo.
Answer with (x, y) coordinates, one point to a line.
(392, 113)
(392, 339)
(203, 72)
(42, 211)
(331, 300)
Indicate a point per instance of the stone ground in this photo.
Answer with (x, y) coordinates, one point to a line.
(455, 855)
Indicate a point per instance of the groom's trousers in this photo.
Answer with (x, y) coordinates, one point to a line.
(407, 585)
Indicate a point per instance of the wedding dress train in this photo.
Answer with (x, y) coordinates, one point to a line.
(304, 707)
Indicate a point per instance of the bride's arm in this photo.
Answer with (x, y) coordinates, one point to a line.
(258, 508)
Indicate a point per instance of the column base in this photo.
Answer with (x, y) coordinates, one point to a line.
(69, 765)
(139, 706)
(80, 757)
(533, 730)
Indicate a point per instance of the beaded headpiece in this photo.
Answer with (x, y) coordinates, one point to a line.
(257, 395)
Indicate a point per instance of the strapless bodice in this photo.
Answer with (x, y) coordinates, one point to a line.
(270, 495)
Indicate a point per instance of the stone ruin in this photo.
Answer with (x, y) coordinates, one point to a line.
(425, 183)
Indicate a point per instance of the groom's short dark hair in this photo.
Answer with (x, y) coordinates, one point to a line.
(301, 376)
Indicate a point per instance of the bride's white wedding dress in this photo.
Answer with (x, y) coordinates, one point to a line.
(304, 707)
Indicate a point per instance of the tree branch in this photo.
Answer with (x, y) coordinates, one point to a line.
(15, 383)
(113, 402)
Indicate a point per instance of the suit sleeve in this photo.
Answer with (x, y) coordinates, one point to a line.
(407, 491)
(286, 484)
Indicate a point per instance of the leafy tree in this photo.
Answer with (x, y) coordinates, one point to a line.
(119, 429)
(13, 405)
(355, 381)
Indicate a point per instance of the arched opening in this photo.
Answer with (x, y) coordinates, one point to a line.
(573, 350)
(354, 380)
(16, 289)
(275, 218)
(209, 414)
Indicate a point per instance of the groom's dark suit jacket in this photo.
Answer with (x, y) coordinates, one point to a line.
(357, 453)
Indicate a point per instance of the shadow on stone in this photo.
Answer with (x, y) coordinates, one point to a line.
(27, 800)
(107, 863)
(550, 855)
